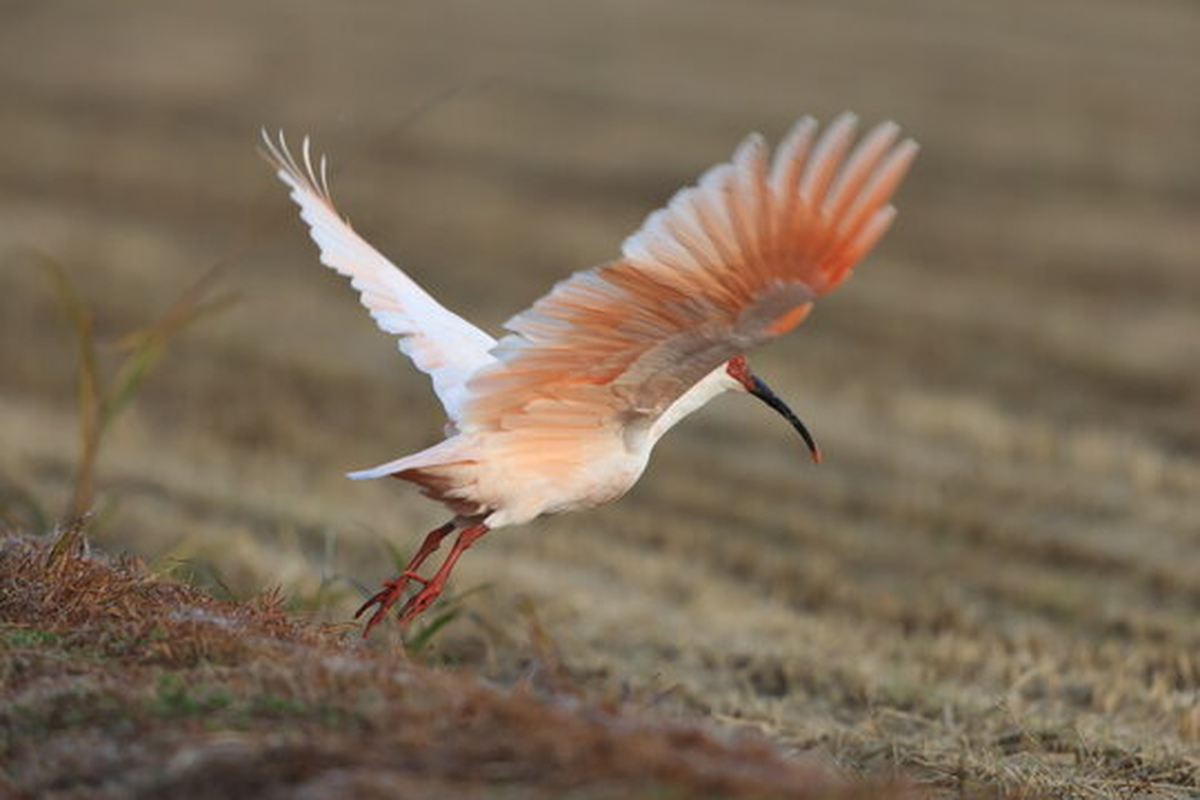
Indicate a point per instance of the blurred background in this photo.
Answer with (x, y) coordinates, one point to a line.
(1006, 531)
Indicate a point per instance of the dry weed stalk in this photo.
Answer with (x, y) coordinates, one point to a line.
(101, 397)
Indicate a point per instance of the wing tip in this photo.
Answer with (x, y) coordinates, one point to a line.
(845, 119)
(909, 147)
(312, 177)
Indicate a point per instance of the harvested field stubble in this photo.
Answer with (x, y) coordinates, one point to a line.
(992, 580)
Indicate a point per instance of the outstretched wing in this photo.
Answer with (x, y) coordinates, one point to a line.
(729, 264)
(442, 344)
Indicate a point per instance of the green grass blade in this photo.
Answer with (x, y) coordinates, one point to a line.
(423, 637)
(133, 370)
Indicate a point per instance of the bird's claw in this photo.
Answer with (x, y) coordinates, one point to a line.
(393, 590)
(387, 597)
(419, 602)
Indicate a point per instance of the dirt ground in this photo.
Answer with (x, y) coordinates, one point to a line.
(995, 575)
(118, 684)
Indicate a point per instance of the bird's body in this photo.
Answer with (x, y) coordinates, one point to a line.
(496, 476)
(563, 413)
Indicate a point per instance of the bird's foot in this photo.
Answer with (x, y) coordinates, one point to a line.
(388, 596)
(392, 590)
(420, 601)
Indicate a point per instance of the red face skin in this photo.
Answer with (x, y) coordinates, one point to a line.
(739, 370)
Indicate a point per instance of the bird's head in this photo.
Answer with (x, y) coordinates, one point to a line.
(738, 369)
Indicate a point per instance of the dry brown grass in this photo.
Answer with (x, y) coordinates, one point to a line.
(116, 684)
(993, 578)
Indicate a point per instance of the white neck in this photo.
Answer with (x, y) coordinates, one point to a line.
(714, 383)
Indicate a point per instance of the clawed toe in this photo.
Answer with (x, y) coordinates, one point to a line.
(419, 602)
(387, 597)
(380, 597)
(393, 590)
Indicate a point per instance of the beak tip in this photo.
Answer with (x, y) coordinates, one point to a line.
(763, 392)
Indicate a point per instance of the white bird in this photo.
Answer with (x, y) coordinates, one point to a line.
(562, 413)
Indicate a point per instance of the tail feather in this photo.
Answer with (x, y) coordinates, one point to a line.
(448, 452)
(381, 471)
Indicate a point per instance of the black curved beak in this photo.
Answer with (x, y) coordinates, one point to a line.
(764, 393)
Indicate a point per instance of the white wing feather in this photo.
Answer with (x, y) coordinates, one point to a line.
(442, 344)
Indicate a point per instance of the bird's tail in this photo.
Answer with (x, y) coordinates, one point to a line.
(445, 472)
(448, 452)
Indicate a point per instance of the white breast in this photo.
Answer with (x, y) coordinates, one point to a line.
(612, 467)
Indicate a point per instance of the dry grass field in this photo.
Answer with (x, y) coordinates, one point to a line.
(993, 581)
(119, 684)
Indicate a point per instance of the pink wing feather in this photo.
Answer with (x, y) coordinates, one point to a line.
(729, 264)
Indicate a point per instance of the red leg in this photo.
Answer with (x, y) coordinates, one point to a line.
(430, 591)
(392, 590)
